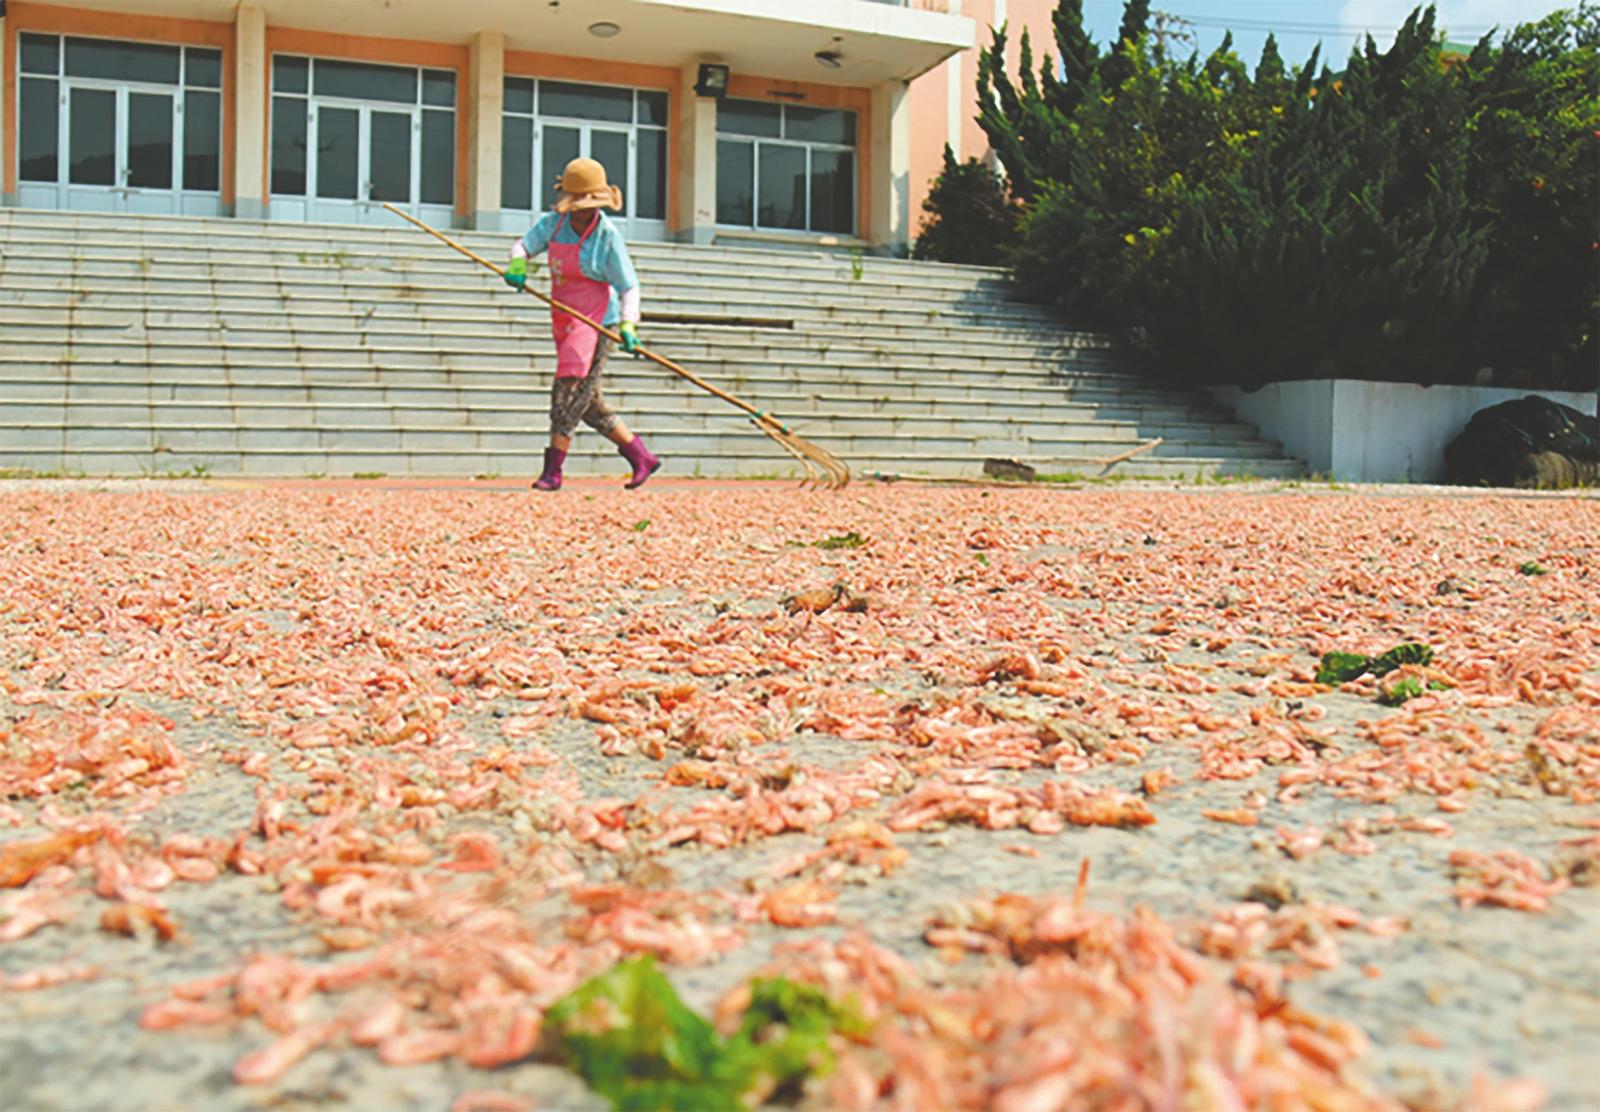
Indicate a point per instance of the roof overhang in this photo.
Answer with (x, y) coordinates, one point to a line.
(877, 41)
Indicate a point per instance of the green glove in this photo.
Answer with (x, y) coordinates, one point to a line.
(517, 273)
(630, 337)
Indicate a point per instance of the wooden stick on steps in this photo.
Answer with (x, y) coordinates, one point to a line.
(1108, 464)
(834, 472)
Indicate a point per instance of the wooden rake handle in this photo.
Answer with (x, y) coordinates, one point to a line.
(755, 414)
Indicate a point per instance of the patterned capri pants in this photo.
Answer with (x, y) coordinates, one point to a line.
(578, 399)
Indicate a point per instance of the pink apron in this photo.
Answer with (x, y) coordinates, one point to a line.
(575, 341)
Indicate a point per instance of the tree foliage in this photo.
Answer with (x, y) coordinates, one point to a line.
(1412, 217)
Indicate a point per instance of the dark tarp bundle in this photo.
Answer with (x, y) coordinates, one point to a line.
(1529, 442)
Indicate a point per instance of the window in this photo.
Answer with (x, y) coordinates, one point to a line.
(131, 107)
(547, 123)
(786, 167)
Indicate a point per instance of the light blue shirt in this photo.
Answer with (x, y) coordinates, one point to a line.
(604, 257)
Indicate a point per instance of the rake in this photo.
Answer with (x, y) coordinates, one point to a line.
(822, 467)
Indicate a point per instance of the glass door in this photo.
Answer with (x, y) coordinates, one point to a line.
(149, 168)
(93, 165)
(364, 155)
(614, 151)
(391, 169)
(122, 153)
(559, 144)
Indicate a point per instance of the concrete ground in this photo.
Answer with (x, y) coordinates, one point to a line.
(409, 726)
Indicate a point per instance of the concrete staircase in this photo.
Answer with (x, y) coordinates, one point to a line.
(160, 345)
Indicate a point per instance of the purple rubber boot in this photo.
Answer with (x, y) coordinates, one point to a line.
(551, 479)
(643, 461)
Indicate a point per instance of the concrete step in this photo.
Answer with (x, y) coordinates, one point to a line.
(757, 462)
(353, 380)
(93, 231)
(427, 270)
(51, 338)
(799, 307)
(25, 422)
(181, 402)
(145, 345)
(218, 320)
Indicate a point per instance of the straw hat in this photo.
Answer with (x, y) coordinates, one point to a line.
(583, 186)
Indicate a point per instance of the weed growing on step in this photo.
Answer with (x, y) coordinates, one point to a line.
(29, 473)
(368, 475)
(339, 260)
(193, 471)
(857, 267)
(1320, 480)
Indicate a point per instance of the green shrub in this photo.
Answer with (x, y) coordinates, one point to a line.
(1534, 103)
(968, 217)
(1342, 245)
(1415, 217)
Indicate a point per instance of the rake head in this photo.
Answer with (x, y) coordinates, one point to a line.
(823, 468)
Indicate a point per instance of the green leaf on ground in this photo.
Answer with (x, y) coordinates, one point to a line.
(1532, 567)
(851, 539)
(641, 526)
(631, 1038)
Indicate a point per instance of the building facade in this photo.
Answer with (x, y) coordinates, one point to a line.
(819, 121)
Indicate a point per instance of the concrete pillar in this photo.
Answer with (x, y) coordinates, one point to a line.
(250, 70)
(484, 105)
(696, 216)
(891, 168)
(955, 94)
(7, 150)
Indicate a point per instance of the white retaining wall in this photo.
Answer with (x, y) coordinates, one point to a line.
(1373, 432)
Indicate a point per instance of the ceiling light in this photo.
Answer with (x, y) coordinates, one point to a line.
(604, 29)
(829, 58)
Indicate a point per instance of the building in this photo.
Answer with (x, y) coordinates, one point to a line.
(813, 121)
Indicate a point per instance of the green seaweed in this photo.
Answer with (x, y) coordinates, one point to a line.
(1409, 653)
(1408, 688)
(852, 539)
(783, 1037)
(1340, 668)
(631, 1038)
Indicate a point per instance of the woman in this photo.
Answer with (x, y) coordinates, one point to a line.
(591, 272)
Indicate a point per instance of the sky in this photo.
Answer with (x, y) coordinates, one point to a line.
(1301, 24)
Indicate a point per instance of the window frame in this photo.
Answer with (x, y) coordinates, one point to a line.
(63, 83)
(809, 146)
(419, 106)
(634, 127)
